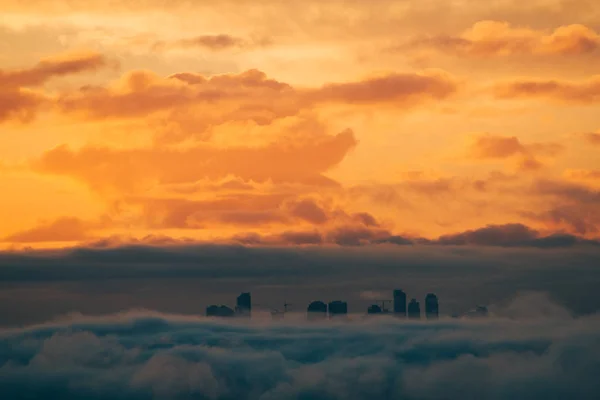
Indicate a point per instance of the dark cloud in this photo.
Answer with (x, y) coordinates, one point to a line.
(510, 235)
(181, 276)
(148, 355)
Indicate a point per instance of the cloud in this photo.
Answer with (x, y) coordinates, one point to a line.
(65, 229)
(217, 42)
(500, 39)
(502, 147)
(591, 176)
(593, 138)
(247, 96)
(151, 355)
(309, 211)
(577, 92)
(392, 88)
(508, 235)
(129, 169)
(51, 67)
(19, 94)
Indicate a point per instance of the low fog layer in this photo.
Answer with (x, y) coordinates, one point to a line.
(542, 354)
(36, 286)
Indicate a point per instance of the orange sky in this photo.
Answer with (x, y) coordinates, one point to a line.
(295, 120)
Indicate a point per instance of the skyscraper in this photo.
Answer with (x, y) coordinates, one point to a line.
(431, 306)
(337, 308)
(244, 304)
(399, 303)
(316, 310)
(414, 309)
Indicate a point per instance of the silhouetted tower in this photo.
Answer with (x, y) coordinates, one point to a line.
(414, 309)
(219, 311)
(399, 303)
(316, 310)
(244, 304)
(431, 306)
(374, 309)
(337, 308)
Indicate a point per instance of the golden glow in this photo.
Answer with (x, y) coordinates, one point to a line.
(284, 120)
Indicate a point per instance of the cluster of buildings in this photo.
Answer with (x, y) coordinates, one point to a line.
(334, 309)
(402, 309)
(243, 308)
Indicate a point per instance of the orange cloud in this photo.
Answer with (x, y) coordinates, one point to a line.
(246, 96)
(587, 91)
(51, 67)
(583, 175)
(17, 97)
(592, 138)
(218, 42)
(504, 147)
(66, 229)
(130, 169)
(496, 39)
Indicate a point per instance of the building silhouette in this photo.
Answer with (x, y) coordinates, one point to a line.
(431, 306)
(374, 309)
(337, 308)
(219, 311)
(414, 309)
(244, 305)
(316, 310)
(399, 303)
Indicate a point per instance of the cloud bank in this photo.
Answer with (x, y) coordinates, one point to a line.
(145, 355)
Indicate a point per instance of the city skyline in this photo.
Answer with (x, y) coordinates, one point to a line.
(318, 309)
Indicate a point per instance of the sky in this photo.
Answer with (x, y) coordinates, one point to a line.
(160, 156)
(298, 123)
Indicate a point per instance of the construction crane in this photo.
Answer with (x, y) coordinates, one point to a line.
(275, 312)
(278, 314)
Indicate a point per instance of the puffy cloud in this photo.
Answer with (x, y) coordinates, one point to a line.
(247, 96)
(587, 91)
(495, 38)
(130, 169)
(151, 355)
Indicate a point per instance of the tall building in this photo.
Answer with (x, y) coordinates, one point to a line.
(244, 304)
(399, 303)
(431, 306)
(337, 308)
(316, 310)
(414, 309)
